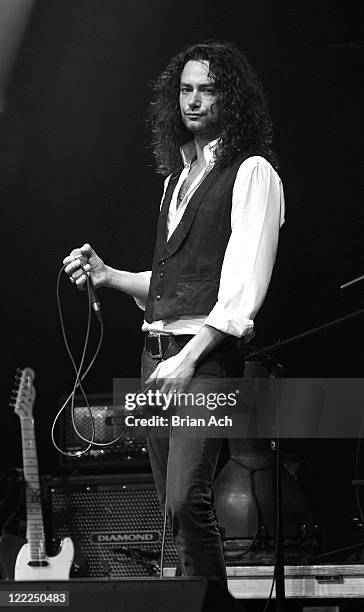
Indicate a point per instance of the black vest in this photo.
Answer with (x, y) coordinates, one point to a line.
(186, 269)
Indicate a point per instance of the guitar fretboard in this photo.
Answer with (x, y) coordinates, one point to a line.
(35, 525)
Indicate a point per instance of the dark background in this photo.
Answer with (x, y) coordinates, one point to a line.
(76, 166)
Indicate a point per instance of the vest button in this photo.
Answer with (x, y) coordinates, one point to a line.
(161, 274)
(158, 297)
(163, 263)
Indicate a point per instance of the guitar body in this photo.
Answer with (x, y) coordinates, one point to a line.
(56, 568)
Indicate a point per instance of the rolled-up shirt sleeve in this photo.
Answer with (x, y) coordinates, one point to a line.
(256, 217)
(147, 275)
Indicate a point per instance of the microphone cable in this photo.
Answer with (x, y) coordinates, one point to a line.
(80, 377)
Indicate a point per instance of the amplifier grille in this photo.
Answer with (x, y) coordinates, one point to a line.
(129, 452)
(104, 516)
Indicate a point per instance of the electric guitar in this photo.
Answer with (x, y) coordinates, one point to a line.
(32, 562)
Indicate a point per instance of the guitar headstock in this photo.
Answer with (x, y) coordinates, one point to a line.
(23, 394)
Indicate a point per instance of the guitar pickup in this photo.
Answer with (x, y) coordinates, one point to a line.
(38, 563)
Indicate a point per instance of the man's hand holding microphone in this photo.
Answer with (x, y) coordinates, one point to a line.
(84, 261)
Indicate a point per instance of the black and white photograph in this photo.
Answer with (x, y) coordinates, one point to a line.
(182, 306)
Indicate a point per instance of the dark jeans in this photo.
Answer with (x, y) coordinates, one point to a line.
(184, 469)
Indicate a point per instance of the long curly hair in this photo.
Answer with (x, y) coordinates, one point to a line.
(244, 118)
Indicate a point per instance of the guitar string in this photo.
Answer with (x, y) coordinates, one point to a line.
(32, 484)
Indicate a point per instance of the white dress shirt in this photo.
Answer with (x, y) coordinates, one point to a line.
(257, 213)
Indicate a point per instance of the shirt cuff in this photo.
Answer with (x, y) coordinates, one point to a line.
(226, 322)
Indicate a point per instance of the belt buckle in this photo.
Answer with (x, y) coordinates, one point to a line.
(158, 355)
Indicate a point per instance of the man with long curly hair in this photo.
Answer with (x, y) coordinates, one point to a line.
(217, 236)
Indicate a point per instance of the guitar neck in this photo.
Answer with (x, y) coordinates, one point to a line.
(35, 525)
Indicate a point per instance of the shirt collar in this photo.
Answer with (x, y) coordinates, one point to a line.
(188, 152)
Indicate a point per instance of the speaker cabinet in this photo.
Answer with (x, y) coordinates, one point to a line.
(114, 521)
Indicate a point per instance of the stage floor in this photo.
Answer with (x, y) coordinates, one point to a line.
(301, 581)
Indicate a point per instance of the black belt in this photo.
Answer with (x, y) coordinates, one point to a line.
(157, 344)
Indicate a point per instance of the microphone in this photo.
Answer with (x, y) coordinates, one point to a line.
(94, 299)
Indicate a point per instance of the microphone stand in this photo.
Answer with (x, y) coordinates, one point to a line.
(307, 333)
(275, 449)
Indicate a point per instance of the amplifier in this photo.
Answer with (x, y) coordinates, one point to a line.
(114, 521)
(129, 452)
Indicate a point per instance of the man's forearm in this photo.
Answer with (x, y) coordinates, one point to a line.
(132, 283)
(206, 339)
